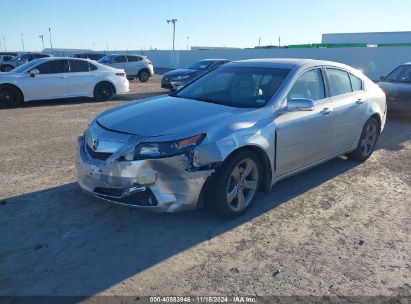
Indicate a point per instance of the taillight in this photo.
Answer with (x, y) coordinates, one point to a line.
(121, 74)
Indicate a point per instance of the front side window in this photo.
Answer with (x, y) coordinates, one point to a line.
(53, 67)
(400, 74)
(339, 82)
(107, 59)
(239, 87)
(78, 66)
(119, 59)
(310, 85)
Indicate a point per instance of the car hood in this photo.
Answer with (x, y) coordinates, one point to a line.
(180, 72)
(396, 89)
(164, 115)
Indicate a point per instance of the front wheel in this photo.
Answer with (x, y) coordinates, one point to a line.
(237, 183)
(368, 140)
(143, 76)
(10, 96)
(103, 91)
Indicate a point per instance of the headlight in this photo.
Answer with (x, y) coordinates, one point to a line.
(165, 149)
(182, 77)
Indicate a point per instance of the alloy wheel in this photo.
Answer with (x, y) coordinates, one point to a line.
(369, 139)
(242, 185)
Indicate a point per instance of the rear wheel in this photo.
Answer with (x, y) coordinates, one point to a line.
(236, 184)
(103, 91)
(368, 140)
(143, 76)
(10, 96)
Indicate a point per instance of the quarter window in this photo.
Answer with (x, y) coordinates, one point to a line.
(356, 83)
(53, 67)
(78, 66)
(339, 82)
(310, 85)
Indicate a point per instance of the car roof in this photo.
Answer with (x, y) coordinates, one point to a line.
(287, 63)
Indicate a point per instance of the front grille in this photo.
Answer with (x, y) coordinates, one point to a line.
(97, 155)
(145, 198)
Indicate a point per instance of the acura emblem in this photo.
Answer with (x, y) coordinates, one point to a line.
(95, 144)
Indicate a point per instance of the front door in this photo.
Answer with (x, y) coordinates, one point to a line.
(303, 137)
(50, 83)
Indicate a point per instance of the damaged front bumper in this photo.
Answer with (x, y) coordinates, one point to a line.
(167, 184)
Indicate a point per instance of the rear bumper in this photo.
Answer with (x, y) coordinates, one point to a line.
(122, 86)
(164, 185)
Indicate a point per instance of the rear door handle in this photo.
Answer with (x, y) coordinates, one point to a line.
(327, 111)
(360, 101)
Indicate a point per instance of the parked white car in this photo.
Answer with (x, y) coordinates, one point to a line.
(60, 77)
(136, 66)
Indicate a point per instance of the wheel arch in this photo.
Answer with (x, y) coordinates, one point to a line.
(106, 81)
(16, 87)
(266, 173)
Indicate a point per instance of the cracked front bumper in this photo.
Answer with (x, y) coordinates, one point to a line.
(166, 184)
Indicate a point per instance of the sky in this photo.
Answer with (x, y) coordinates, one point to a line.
(138, 24)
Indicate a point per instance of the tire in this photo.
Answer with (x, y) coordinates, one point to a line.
(143, 76)
(10, 96)
(236, 184)
(369, 138)
(103, 91)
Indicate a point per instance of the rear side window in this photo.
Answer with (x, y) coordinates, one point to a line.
(356, 83)
(339, 82)
(310, 85)
(79, 66)
(133, 58)
(53, 67)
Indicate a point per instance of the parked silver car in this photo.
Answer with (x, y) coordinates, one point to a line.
(232, 132)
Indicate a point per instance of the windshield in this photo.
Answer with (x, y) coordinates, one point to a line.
(107, 59)
(200, 65)
(26, 66)
(238, 87)
(400, 74)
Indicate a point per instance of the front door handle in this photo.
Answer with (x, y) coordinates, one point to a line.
(327, 111)
(360, 101)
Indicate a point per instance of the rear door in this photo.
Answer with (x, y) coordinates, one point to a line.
(82, 78)
(349, 101)
(50, 83)
(303, 137)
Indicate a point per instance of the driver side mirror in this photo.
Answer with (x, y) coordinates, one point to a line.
(300, 104)
(382, 78)
(34, 72)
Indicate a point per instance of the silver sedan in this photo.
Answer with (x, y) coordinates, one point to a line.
(234, 131)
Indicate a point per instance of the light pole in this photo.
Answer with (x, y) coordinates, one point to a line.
(4, 44)
(259, 41)
(187, 42)
(173, 21)
(42, 40)
(22, 41)
(51, 43)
